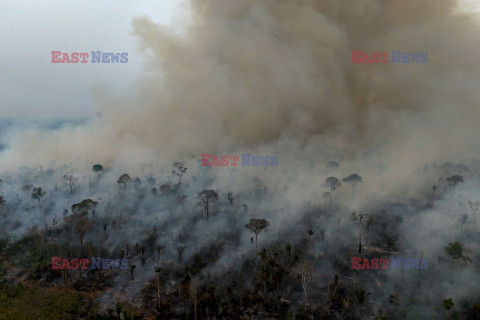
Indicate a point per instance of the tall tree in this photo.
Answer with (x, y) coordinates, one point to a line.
(180, 250)
(124, 179)
(306, 272)
(158, 271)
(195, 297)
(332, 183)
(98, 169)
(359, 218)
(85, 207)
(474, 207)
(353, 179)
(205, 198)
(181, 201)
(38, 194)
(256, 226)
(80, 223)
(462, 220)
(361, 294)
(70, 180)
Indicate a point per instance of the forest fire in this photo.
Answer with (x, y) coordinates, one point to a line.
(157, 191)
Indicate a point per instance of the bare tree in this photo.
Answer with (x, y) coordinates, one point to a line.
(70, 180)
(80, 223)
(307, 275)
(474, 207)
(359, 218)
(181, 201)
(462, 220)
(157, 278)
(256, 226)
(195, 296)
(206, 197)
(180, 250)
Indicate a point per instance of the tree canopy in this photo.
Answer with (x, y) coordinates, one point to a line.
(97, 168)
(353, 179)
(333, 183)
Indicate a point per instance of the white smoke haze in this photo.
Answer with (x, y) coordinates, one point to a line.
(248, 74)
(275, 77)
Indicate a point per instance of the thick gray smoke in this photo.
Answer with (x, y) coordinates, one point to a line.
(278, 74)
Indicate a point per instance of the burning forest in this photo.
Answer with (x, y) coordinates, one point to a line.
(276, 159)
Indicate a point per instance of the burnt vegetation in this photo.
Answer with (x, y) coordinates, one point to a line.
(198, 252)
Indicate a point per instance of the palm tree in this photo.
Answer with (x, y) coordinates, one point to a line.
(361, 295)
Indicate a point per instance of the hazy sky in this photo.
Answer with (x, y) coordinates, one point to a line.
(30, 85)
